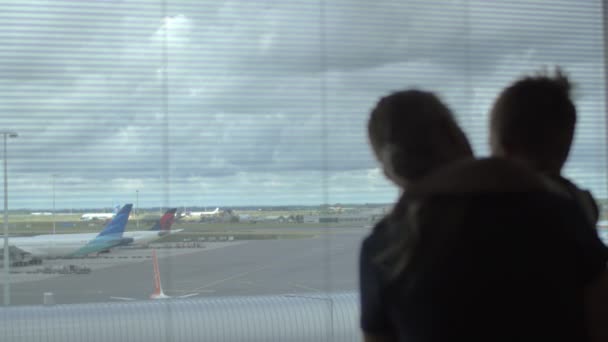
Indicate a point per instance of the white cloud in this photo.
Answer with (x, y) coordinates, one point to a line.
(259, 101)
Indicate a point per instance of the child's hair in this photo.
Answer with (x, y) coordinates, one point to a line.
(534, 118)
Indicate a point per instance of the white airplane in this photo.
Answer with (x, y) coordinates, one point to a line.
(189, 215)
(139, 237)
(69, 245)
(100, 216)
(96, 216)
(339, 209)
(203, 213)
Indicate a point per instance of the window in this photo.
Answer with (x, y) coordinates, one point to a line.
(249, 119)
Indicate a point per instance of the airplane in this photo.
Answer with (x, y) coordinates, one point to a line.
(158, 288)
(340, 209)
(189, 215)
(140, 237)
(96, 216)
(99, 216)
(203, 213)
(160, 229)
(75, 245)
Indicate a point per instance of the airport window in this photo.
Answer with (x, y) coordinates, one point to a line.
(227, 139)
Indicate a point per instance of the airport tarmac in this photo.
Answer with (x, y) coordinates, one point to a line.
(325, 263)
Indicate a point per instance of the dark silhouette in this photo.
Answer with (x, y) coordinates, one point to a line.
(533, 121)
(478, 250)
(412, 133)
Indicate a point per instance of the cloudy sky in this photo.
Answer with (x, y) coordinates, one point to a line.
(219, 103)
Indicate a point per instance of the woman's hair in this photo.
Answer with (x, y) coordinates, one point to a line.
(420, 132)
(421, 135)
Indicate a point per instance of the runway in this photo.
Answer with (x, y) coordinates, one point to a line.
(325, 263)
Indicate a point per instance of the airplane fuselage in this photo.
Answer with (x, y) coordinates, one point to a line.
(140, 237)
(96, 216)
(52, 246)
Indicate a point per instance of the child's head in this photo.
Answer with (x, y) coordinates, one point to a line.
(533, 120)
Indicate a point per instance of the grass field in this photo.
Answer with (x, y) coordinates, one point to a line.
(32, 225)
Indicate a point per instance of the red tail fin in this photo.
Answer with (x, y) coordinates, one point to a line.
(167, 220)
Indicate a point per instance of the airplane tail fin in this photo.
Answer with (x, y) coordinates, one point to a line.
(165, 221)
(119, 222)
(158, 288)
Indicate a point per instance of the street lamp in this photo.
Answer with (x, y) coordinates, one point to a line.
(137, 207)
(7, 262)
(53, 177)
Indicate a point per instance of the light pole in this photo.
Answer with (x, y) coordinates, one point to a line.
(137, 207)
(53, 177)
(7, 262)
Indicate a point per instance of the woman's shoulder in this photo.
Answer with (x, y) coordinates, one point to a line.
(377, 233)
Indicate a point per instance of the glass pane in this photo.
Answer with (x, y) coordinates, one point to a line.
(249, 119)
